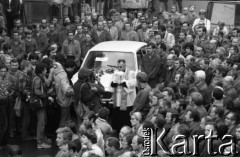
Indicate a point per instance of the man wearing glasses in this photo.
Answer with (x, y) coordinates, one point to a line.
(124, 85)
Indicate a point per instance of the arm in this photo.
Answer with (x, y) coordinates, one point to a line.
(45, 44)
(136, 36)
(115, 34)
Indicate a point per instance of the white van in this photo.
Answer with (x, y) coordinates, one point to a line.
(104, 56)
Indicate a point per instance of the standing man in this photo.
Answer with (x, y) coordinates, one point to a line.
(112, 29)
(71, 48)
(12, 11)
(124, 94)
(151, 64)
(141, 102)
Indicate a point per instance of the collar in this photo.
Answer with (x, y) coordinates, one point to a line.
(103, 120)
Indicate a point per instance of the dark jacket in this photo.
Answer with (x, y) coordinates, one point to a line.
(141, 101)
(104, 36)
(14, 6)
(151, 67)
(86, 93)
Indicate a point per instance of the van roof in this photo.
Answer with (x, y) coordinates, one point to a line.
(123, 46)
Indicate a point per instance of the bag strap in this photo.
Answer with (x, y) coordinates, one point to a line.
(81, 91)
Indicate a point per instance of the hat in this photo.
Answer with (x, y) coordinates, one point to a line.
(142, 77)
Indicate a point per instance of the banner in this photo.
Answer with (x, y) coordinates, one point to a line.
(134, 4)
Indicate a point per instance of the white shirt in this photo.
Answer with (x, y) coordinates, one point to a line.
(206, 22)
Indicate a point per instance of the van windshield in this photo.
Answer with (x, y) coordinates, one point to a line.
(103, 60)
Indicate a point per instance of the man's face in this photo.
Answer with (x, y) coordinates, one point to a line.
(127, 27)
(238, 133)
(139, 15)
(212, 44)
(14, 66)
(169, 60)
(185, 10)
(197, 79)
(158, 39)
(208, 129)
(52, 28)
(202, 64)
(70, 36)
(121, 66)
(166, 96)
(55, 21)
(177, 64)
(85, 29)
(187, 116)
(100, 26)
(122, 133)
(134, 144)
(109, 23)
(60, 140)
(200, 32)
(198, 52)
(94, 16)
(185, 26)
(18, 23)
(79, 29)
(142, 19)
(192, 8)
(155, 24)
(174, 9)
(3, 72)
(235, 42)
(228, 119)
(213, 113)
(29, 36)
(168, 118)
(84, 139)
(149, 50)
(15, 36)
(88, 38)
(77, 20)
(189, 38)
(123, 15)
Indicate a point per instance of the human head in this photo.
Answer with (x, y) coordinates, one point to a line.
(150, 48)
(227, 81)
(125, 130)
(112, 145)
(231, 119)
(201, 31)
(64, 135)
(136, 119)
(210, 127)
(137, 143)
(196, 99)
(88, 136)
(172, 117)
(121, 65)
(83, 74)
(200, 76)
(14, 65)
(168, 94)
(90, 117)
(3, 70)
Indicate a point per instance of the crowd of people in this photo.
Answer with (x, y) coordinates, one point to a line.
(189, 83)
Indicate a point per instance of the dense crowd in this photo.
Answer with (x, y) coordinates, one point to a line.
(188, 84)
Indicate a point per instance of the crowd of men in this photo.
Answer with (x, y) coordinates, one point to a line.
(189, 84)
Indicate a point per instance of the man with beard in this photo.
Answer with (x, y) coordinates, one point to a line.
(103, 35)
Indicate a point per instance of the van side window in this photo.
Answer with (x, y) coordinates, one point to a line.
(237, 15)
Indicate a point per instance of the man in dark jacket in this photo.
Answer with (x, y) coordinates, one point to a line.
(151, 64)
(142, 99)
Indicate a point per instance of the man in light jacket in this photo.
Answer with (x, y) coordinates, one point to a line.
(64, 91)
